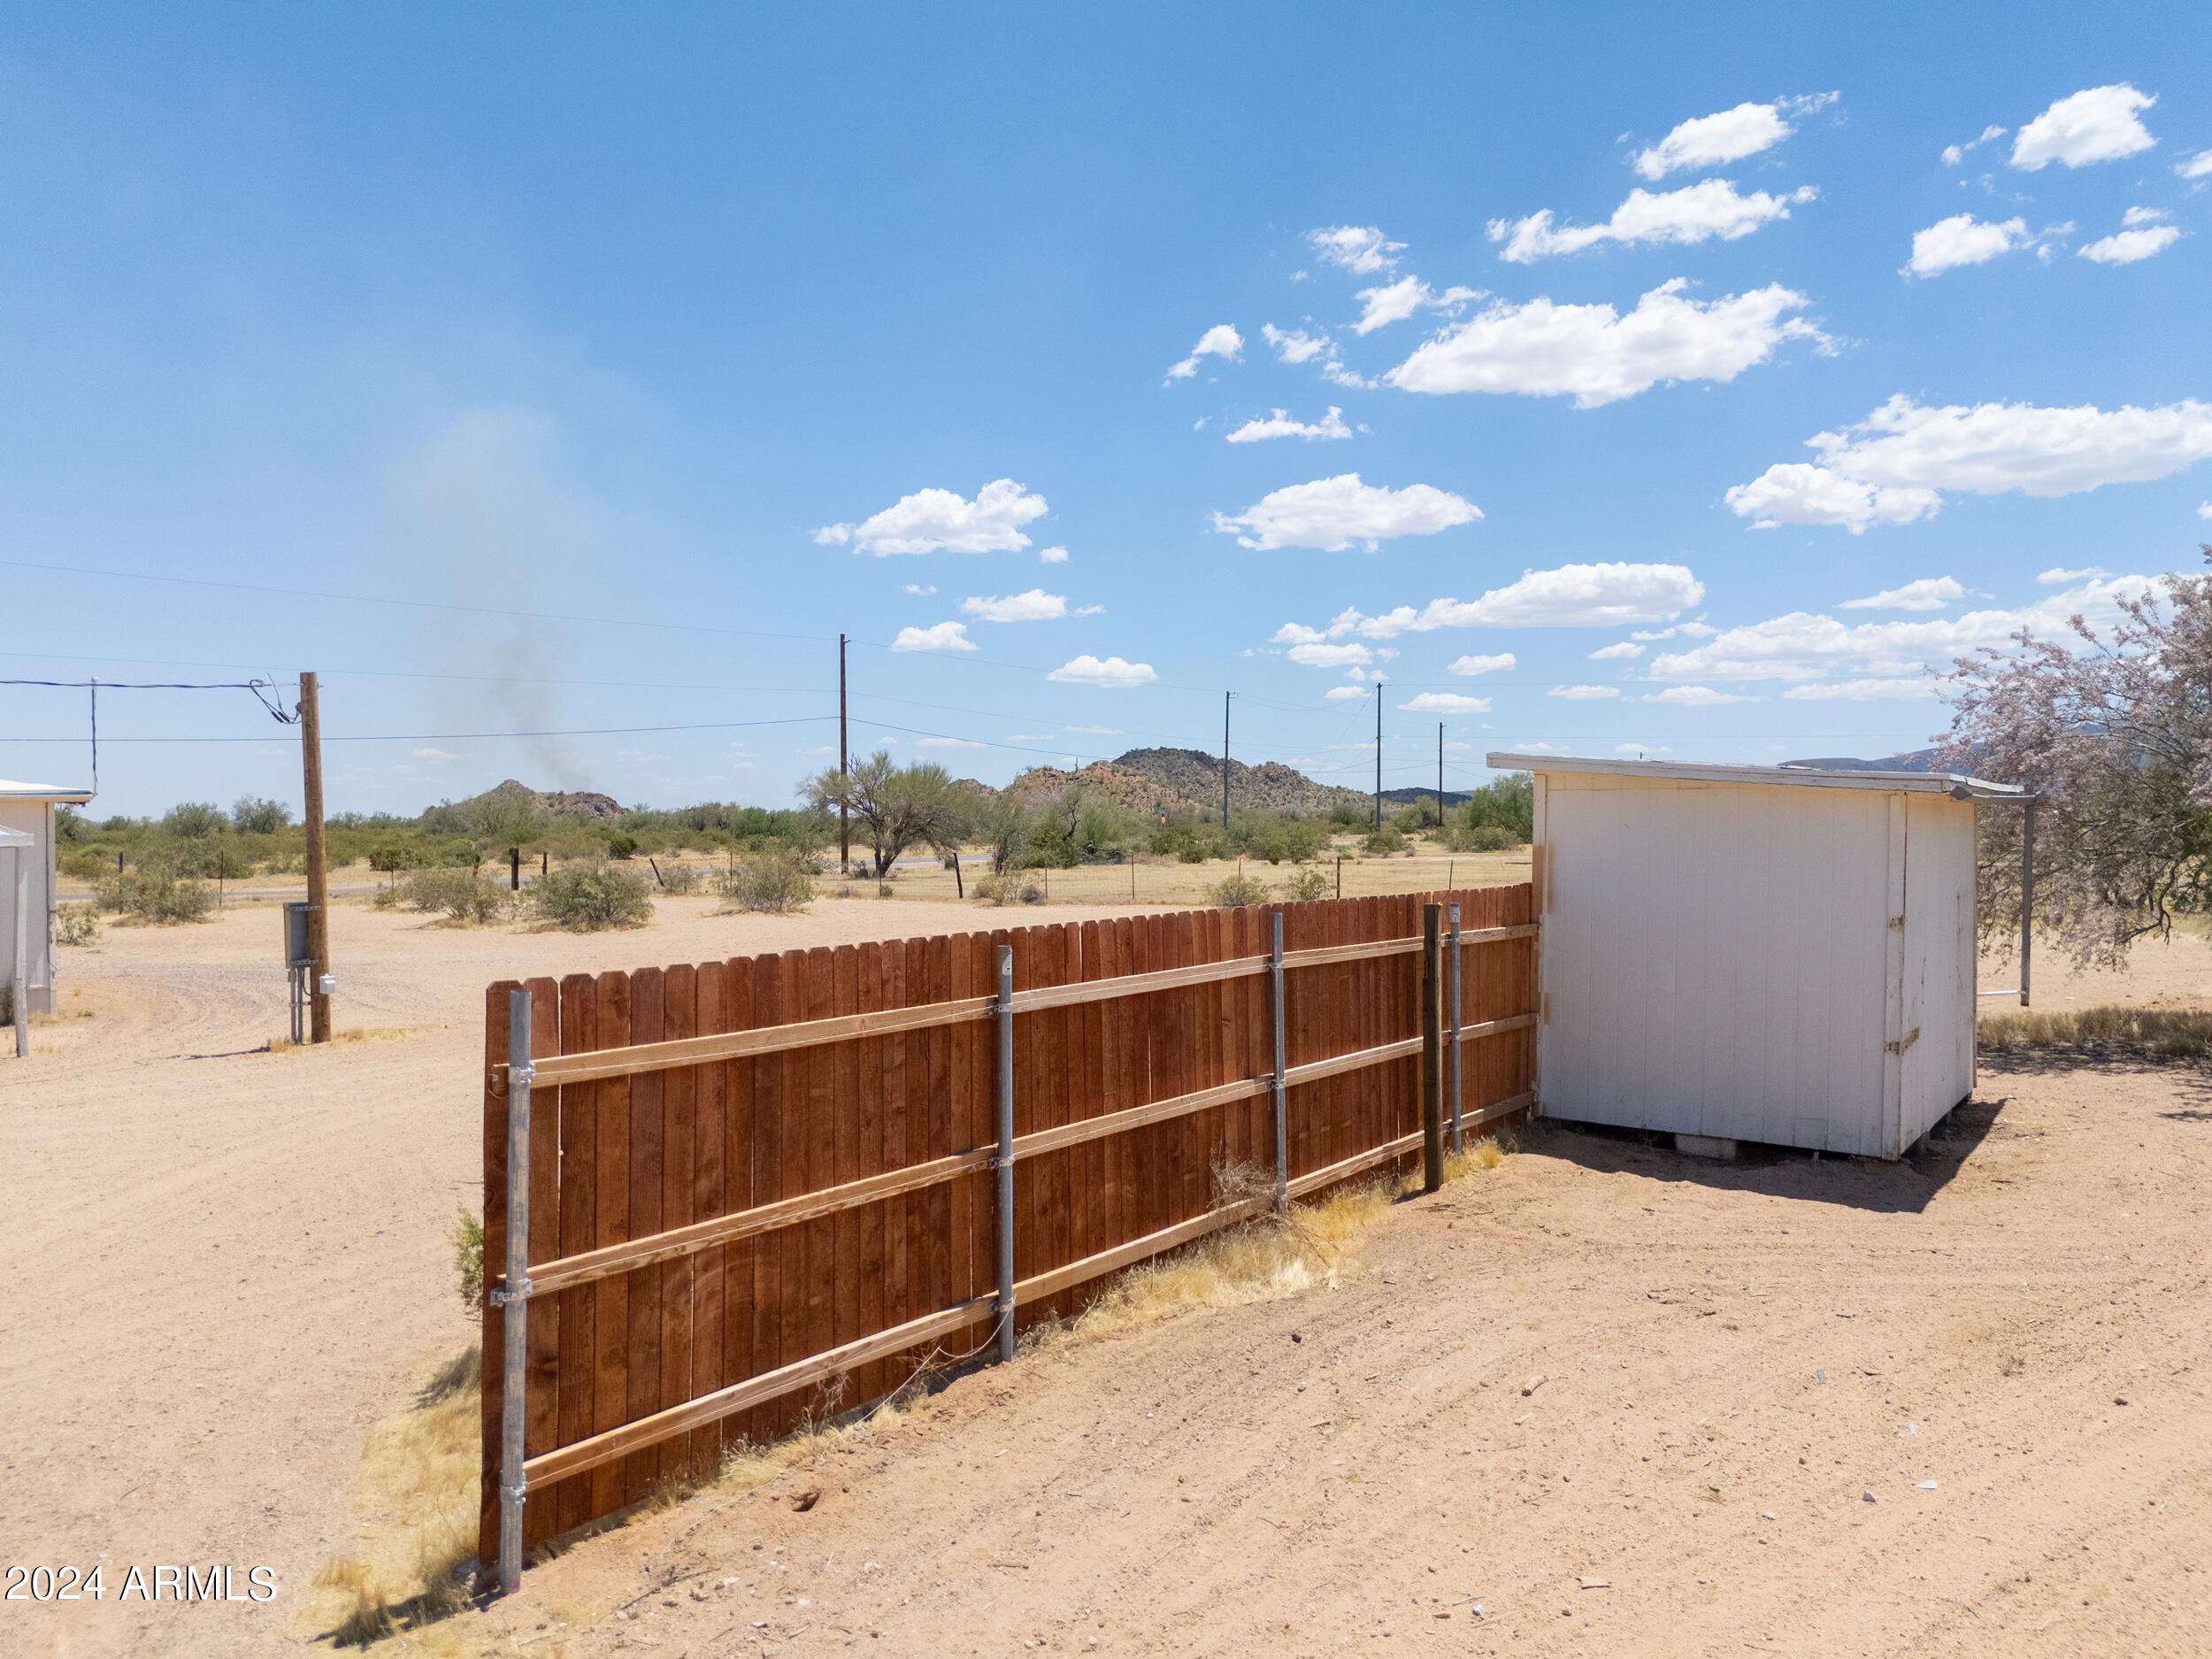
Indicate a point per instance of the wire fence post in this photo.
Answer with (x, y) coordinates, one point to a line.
(1432, 1051)
(1282, 1115)
(1458, 1074)
(514, 1294)
(1005, 1159)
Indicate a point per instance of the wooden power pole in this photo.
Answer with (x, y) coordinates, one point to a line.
(844, 770)
(1224, 760)
(1439, 773)
(318, 870)
(1378, 757)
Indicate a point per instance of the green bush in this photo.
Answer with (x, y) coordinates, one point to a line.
(389, 856)
(251, 815)
(1238, 892)
(467, 1238)
(585, 898)
(87, 863)
(1308, 885)
(1509, 803)
(155, 893)
(622, 847)
(462, 895)
(1485, 838)
(1388, 839)
(77, 924)
(1015, 887)
(774, 880)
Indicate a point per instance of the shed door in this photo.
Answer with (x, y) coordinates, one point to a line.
(1937, 1014)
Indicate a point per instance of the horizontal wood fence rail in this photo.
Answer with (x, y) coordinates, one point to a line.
(602, 1448)
(660, 1056)
(755, 1191)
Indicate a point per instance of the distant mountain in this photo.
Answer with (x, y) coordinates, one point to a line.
(1189, 780)
(1918, 760)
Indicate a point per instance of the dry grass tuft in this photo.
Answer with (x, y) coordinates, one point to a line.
(418, 1488)
(352, 1033)
(2168, 1033)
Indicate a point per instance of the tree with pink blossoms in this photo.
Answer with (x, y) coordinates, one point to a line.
(2113, 732)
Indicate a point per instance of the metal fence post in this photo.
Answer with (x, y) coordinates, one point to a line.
(2027, 894)
(514, 1295)
(1432, 1051)
(1458, 1072)
(1282, 1116)
(1005, 1159)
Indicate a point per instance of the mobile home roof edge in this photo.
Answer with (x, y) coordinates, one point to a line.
(12, 790)
(1805, 777)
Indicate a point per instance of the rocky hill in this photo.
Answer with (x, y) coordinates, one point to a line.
(1189, 780)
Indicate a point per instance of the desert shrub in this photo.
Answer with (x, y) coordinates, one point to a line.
(468, 1239)
(188, 820)
(622, 847)
(585, 898)
(155, 891)
(389, 856)
(1388, 839)
(1420, 816)
(1347, 816)
(462, 895)
(1238, 892)
(1190, 843)
(1509, 803)
(775, 880)
(77, 923)
(87, 863)
(1309, 884)
(1483, 838)
(1015, 887)
(252, 815)
(1276, 837)
(678, 878)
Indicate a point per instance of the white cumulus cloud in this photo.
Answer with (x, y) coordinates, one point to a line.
(1953, 154)
(1052, 556)
(1279, 424)
(1113, 673)
(1891, 467)
(1597, 356)
(1294, 345)
(1313, 656)
(1344, 694)
(435, 754)
(932, 519)
(1962, 239)
(1863, 691)
(1401, 299)
(1221, 340)
(1036, 605)
(2125, 247)
(1698, 213)
(1332, 513)
(1472, 666)
(1930, 593)
(1583, 694)
(1445, 702)
(2097, 125)
(1573, 597)
(1714, 141)
(1360, 248)
(2060, 573)
(1695, 697)
(1616, 651)
(946, 636)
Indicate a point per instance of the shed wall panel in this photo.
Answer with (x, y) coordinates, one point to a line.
(1938, 1067)
(1714, 959)
(34, 818)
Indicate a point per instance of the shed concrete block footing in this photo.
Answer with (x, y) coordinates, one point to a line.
(1716, 1147)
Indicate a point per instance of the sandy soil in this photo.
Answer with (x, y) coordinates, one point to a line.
(222, 1265)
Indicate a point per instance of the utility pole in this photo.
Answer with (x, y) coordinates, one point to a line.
(317, 871)
(1224, 760)
(844, 769)
(1439, 775)
(1378, 757)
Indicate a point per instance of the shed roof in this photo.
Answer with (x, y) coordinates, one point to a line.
(12, 790)
(1801, 777)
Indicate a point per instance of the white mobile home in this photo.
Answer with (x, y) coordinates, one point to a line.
(1755, 952)
(30, 807)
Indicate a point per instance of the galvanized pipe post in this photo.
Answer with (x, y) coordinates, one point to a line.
(513, 1295)
(1457, 1073)
(19, 983)
(1282, 1116)
(2027, 893)
(1005, 1159)
(1432, 1051)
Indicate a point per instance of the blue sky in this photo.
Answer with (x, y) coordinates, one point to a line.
(386, 336)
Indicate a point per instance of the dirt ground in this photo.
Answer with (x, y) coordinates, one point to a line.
(222, 1265)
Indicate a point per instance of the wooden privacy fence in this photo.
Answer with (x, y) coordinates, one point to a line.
(751, 1189)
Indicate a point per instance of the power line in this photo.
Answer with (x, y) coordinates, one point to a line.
(462, 737)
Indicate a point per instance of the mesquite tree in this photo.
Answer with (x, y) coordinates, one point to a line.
(899, 806)
(2113, 732)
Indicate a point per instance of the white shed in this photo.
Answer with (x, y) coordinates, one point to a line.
(30, 807)
(1755, 952)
